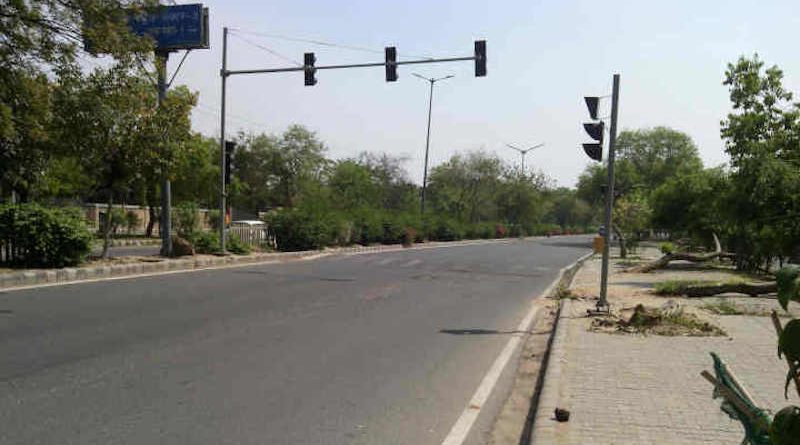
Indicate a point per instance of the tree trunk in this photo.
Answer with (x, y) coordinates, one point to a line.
(751, 289)
(108, 225)
(683, 256)
(623, 248)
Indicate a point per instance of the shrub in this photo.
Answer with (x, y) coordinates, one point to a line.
(409, 236)
(236, 246)
(44, 237)
(206, 242)
(186, 219)
(300, 229)
(500, 230)
(446, 230)
(667, 248)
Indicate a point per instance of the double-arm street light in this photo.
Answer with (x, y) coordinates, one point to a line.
(432, 81)
(524, 152)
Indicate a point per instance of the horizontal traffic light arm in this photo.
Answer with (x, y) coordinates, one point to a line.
(354, 65)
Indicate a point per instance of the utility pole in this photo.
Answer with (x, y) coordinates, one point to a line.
(432, 81)
(166, 189)
(603, 303)
(523, 153)
(222, 193)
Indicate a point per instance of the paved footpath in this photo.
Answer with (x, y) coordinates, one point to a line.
(633, 389)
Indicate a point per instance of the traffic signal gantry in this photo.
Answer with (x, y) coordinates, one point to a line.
(309, 68)
(596, 130)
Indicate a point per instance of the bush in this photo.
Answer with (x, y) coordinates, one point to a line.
(446, 230)
(301, 229)
(500, 230)
(667, 248)
(44, 237)
(236, 246)
(185, 219)
(205, 242)
(409, 236)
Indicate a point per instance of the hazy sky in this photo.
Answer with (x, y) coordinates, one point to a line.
(543, 57)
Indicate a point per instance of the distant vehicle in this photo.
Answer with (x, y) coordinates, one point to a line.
(248, 223)
(601, 230)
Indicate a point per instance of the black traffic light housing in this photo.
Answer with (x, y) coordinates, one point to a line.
(480, 58)
(391, 63)
(230, 147)
(308, 65)
(592, 104)
(595, 130)
(594, 151)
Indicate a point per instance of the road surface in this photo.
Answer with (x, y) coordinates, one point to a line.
(381, 348)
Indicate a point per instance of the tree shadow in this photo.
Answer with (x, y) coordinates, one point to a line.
(480, 332)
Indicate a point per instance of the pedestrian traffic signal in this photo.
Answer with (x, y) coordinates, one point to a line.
(594, 151)
(230, 146)
(480, 58)
(391, 63)
(592, 103)
(310, 71)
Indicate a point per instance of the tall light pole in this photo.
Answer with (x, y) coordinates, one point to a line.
(432, 81)
(524, 152)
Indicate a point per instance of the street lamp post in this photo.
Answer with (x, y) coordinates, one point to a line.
(432, 81)
(524, 152)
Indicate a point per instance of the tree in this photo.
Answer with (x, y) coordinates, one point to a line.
(465, 186)
(692, 204)
(762, 137)
(109, 120)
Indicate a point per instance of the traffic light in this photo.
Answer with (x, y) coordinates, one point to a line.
(310, 71)
(230, 146)
(595, 130)
(391, 63)
(594, 151)
(480, 58)
(591, 104)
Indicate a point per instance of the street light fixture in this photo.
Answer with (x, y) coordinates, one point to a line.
(432, 81)
(524, 152)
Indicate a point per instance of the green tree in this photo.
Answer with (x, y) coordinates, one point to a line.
(465, 186)
(762, 137)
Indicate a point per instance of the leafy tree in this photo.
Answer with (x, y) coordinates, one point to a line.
(109, 120)
(466, 185)
(692, 204)
(762, 137)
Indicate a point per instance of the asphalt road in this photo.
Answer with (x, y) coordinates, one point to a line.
(383, 348)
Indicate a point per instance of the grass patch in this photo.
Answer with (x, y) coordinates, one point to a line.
(563, 292)
(722, 307)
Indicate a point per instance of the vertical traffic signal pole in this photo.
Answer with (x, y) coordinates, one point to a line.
(603, 303)
(166, 193)
(427, 149)
(224, 74)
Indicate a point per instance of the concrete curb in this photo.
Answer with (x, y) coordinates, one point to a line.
(549, 397)
(28, 278)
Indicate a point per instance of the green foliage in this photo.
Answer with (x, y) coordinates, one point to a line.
(44, 237)
(788, 289)
(666, 248)
(236, 246)
(677, 287)
(205, 242)
(302, 229)
(131, 221)
(186, 219)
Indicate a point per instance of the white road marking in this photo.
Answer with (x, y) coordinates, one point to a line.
(460, 430)
(411, 263)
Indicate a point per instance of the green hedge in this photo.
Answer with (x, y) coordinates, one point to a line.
(37, 236)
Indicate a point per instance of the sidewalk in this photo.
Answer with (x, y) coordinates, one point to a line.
(636, 389)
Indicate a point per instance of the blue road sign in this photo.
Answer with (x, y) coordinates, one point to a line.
(173, 27)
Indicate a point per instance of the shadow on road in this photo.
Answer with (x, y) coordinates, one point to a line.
(480, 332)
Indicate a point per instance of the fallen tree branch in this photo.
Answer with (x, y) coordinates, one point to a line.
(683, 256)
(709, 290)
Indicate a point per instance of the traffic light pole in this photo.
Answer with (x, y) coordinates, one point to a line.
(222, 192)
(310, 69)
(603, 303)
